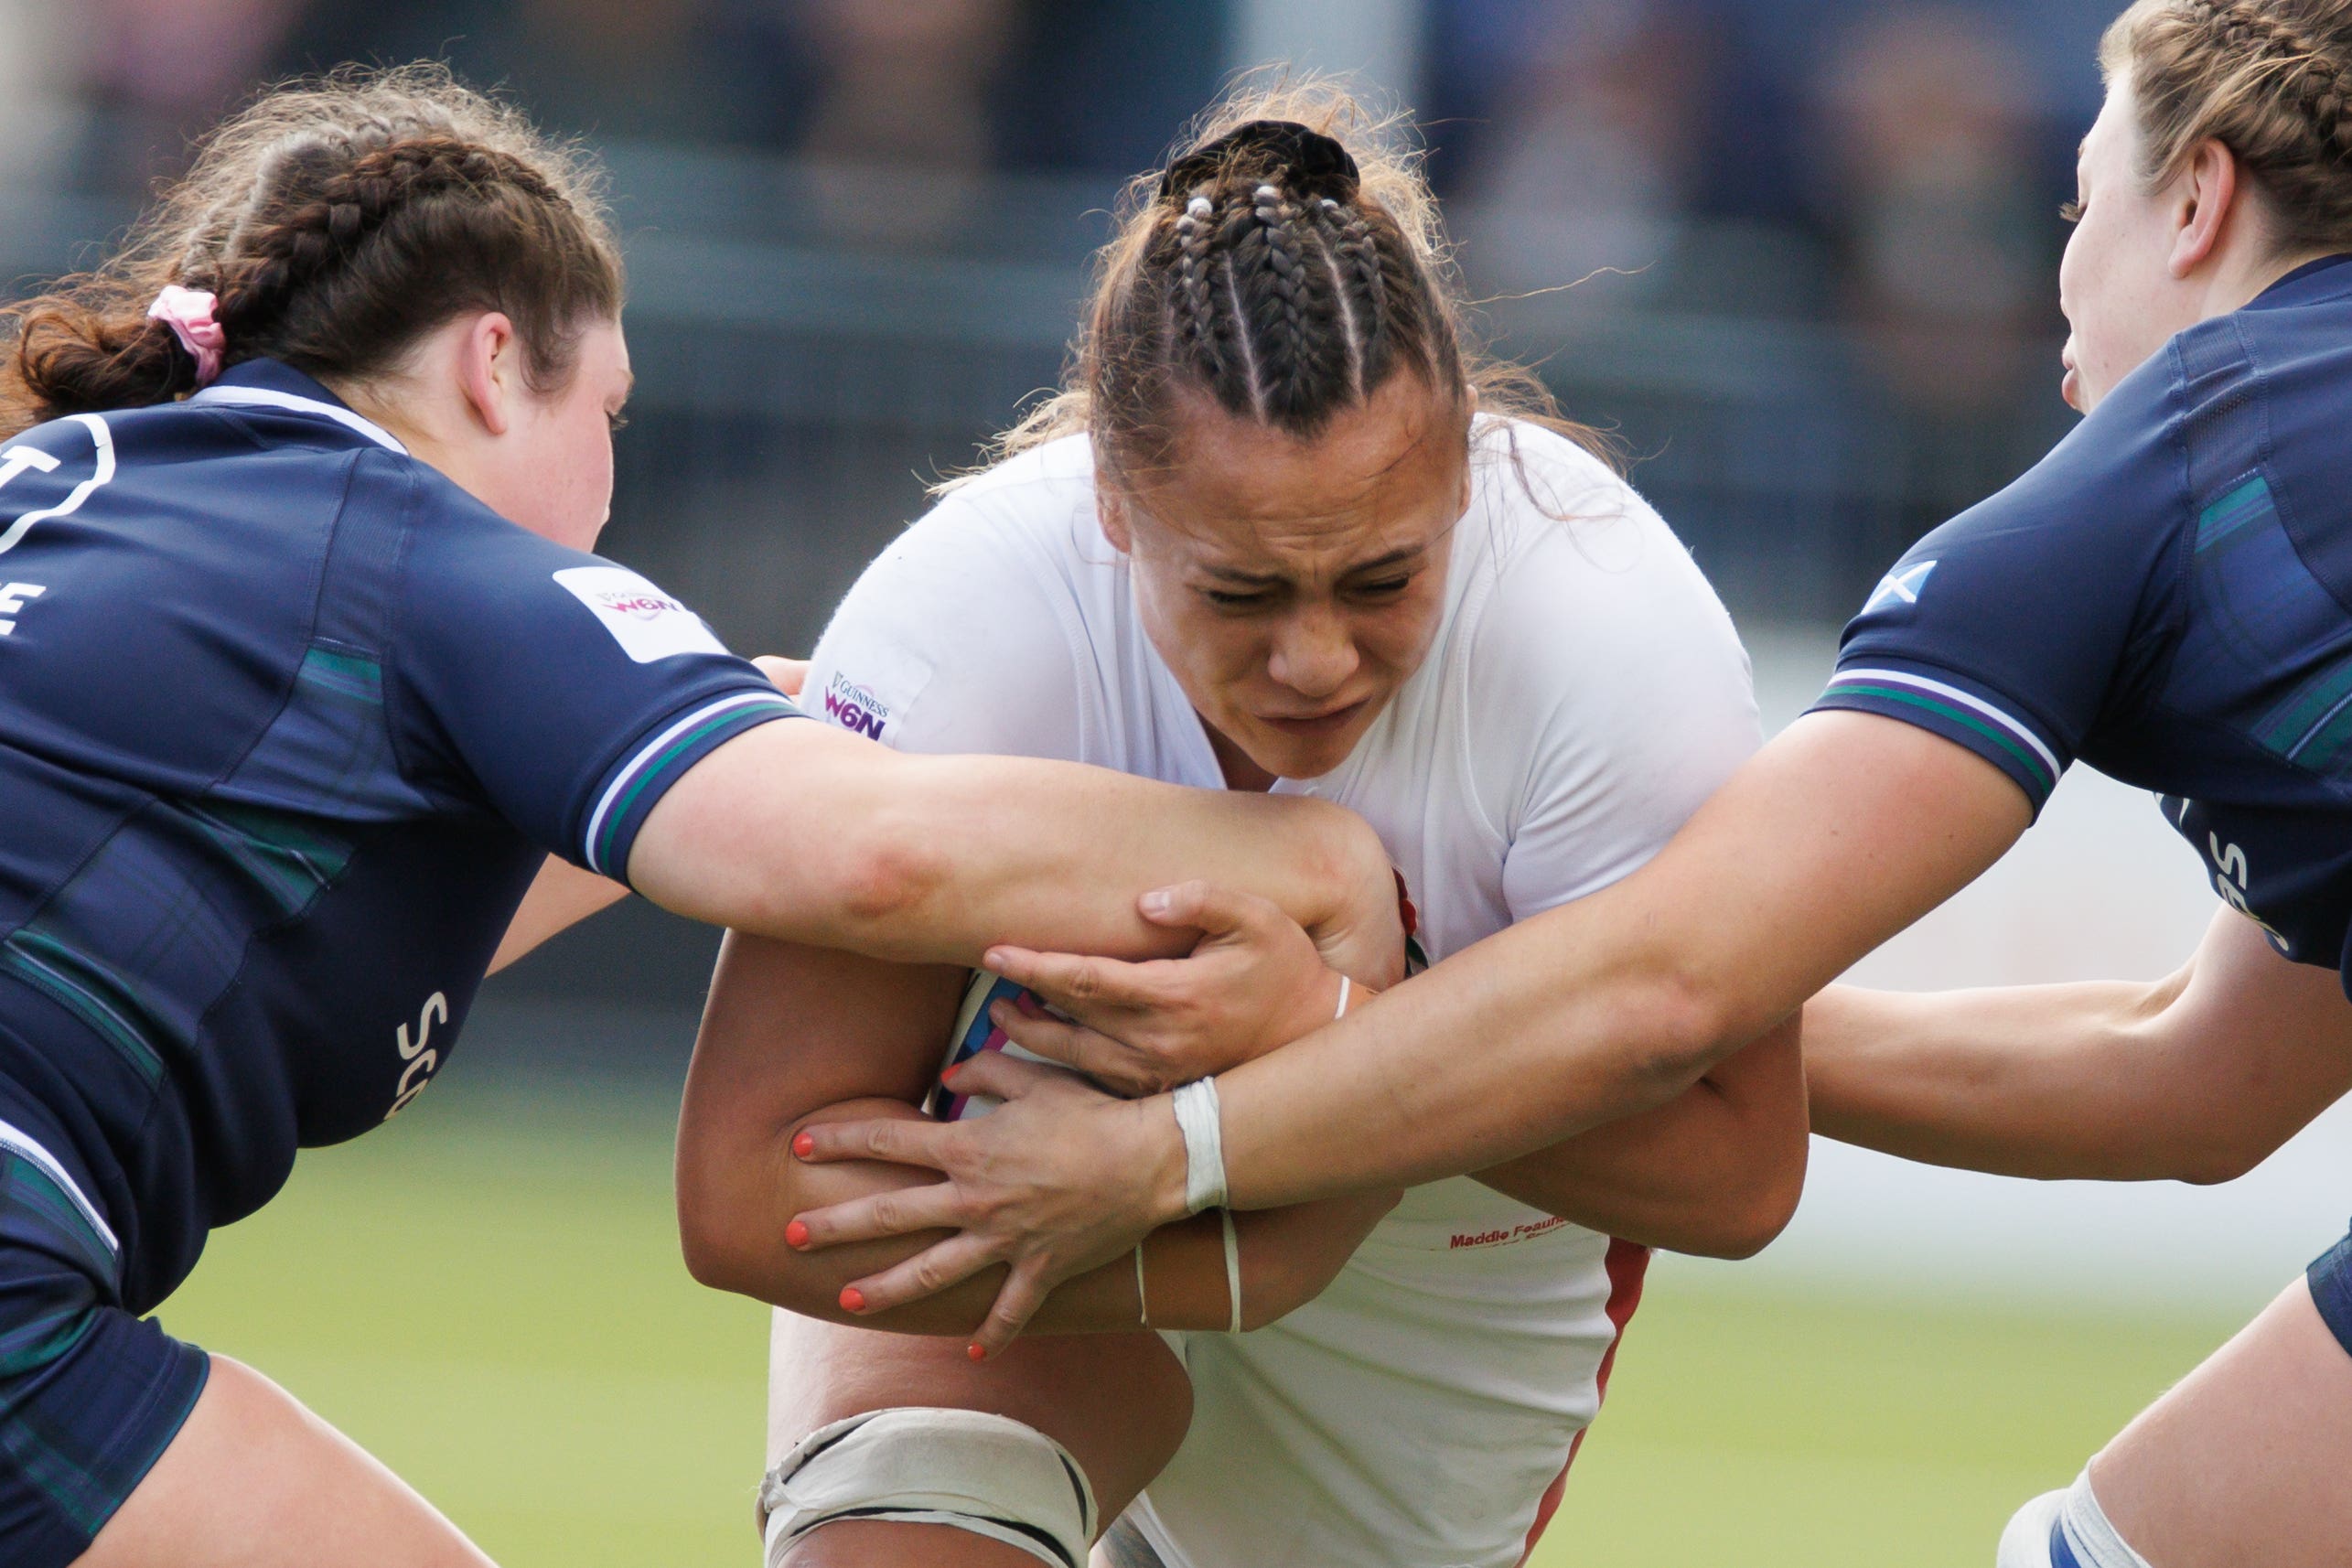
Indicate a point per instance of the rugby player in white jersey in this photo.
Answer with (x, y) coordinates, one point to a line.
(1282, 533)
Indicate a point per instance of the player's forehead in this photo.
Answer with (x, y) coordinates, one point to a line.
(1382, 481)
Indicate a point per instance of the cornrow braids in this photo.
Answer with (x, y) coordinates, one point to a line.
(338, 220)
(2270, 80)
(1285, 267)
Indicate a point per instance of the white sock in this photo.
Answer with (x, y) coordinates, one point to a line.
(2090, 1536)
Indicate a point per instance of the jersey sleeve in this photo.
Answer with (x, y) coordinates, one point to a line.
(961, 637)
(1636, 692)
(571, 694)
(2015, 627)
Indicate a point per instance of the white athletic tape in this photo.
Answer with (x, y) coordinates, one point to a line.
(986, 1474)
(1203, 1126)
(2090, 1538)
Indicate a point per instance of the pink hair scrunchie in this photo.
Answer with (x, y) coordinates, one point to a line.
(189, 313)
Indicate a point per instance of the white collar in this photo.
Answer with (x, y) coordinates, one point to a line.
(262, 397)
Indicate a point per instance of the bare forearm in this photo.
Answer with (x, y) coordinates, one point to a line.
(1809, 858)
(2053, 1081)
(804, 833)
(1716, 1172)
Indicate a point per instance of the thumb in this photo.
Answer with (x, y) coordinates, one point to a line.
(1203, 907)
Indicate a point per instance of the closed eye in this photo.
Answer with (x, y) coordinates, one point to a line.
(617, 421)
(1383, 589)
(2070, 211)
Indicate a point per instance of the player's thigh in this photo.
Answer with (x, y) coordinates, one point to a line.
(2244, 1461)
(255, 1480)
(1119, 1403)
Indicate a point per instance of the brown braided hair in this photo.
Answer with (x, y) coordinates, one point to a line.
(1287, 263)
(338, 220)
(2270, 80)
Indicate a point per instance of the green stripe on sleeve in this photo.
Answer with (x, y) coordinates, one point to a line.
(2026, 759)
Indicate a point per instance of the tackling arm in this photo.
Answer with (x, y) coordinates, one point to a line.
(2197, 1078)
(799, 831)
(1715, 1172)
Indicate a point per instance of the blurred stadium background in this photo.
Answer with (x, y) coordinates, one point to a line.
(1817, 246)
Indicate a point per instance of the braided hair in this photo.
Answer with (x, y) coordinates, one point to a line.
(1287, 265)
(2270, 80)
(339, 222)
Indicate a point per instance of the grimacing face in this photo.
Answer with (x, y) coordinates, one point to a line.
(1292, 586)
(2121, 297)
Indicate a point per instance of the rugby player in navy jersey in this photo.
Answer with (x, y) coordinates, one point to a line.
(2167, 597)
(306, 675)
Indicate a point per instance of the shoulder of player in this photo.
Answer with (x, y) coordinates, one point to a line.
(1015, 531)
(971, 627)
(1572, 562)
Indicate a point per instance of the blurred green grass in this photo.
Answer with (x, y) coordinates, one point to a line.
(488, 1295)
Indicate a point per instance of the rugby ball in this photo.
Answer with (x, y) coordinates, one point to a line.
(974, 1034)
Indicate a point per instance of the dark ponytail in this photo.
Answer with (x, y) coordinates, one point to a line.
(338, 221)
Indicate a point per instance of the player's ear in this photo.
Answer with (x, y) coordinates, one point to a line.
(489, 370)
(2204, 203)
(1111, 512)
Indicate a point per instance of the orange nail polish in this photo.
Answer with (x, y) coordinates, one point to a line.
(852, 1299)
(795, 1234)
(977, 1352)
(805, 1144)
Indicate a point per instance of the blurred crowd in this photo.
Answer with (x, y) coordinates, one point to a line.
(1886, 168)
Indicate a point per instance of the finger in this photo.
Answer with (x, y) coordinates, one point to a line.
(1024, 1292)
(1083, 1049)
(1007, 1078)
(789, 675)
(1081, 986)
(903, 1142)
(902, 1212)
(927, 1273)
(1205, 907)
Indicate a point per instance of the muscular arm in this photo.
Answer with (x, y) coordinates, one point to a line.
(796, 1036)
(1715, 1172)
(799, 831)
(2194, 1077)
(1838, 834)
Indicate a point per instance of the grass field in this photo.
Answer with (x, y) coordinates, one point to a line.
(488, 1295)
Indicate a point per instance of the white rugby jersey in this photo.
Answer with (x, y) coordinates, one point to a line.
(1584, 692)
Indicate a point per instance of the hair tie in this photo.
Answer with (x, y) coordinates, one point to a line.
(189, 313)
(1307, 161)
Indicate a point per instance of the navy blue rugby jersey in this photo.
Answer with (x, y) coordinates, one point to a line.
(286, 721)
(2168, 596)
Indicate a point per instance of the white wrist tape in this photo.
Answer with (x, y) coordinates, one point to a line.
(1203, 1126)
(989, 1475)
(1232, 1270)
(2074, 1517)
(1142, 1303)
(1346, 986)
